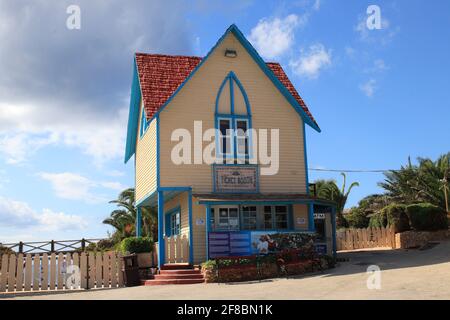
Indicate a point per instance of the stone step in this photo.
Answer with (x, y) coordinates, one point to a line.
(183, 271)
(178, 276)
(171, 281)
(176, 266)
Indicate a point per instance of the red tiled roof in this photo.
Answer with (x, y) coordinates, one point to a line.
(161, 75)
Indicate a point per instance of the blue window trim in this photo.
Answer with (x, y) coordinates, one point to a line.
(144, 124)
(230, 79)
(229, 155)
(168, 221)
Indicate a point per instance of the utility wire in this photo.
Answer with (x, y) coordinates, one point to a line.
(349, 171)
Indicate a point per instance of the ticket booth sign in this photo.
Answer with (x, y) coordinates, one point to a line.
(235, 178)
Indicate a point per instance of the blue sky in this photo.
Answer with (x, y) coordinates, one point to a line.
(378, 95)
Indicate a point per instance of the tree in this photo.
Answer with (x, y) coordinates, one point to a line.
(328, 189)
(124, 219)
(425, 182)
(359, 216)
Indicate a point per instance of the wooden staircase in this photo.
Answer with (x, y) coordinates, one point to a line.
(176, 273)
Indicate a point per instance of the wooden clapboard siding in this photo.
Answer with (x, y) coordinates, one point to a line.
(37, 273)
(181, 201)
(270, 110)
(299, 212)
(146, 161)
(199, 231)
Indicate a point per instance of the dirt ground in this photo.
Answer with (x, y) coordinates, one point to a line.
(405, 274)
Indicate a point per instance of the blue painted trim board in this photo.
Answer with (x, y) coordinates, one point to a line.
(161, 244)
(138, 226)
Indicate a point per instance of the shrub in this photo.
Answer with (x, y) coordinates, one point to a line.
(378, 220)
(136, 245)
(357, 219)
(396, 217)
(210, 264)
(426, 217)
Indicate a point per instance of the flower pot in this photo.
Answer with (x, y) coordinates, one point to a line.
(145, 260)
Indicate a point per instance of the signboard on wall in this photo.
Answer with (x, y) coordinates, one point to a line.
(235, 178)
(226, 244)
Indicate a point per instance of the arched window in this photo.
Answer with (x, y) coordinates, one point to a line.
(233, 120)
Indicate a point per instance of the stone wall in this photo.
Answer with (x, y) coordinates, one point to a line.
(415, 239)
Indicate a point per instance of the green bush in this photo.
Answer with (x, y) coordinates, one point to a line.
(396, 217)
(210, 264)
(378, 220)
(136, 245)
(357, 219)
(426, 217)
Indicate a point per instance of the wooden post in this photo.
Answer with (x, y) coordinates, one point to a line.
(20, 247)
(83, 244)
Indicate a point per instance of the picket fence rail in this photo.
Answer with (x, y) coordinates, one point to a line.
(352, 239)
(63, 271)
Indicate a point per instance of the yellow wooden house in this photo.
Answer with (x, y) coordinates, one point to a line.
(231, 205)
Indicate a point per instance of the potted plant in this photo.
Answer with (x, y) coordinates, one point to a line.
(143, 247)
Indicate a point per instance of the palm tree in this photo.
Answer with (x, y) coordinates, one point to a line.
(425, 182)
(328, 189)
(124, 218)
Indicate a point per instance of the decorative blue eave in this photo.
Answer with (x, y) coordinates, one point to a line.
(133, 118)
(284, 91)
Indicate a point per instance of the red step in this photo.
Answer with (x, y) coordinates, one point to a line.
(184, 271)
(171, 281)
(178, 276)
(170, 274)
(176, 266)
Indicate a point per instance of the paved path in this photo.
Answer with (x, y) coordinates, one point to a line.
(406, 274)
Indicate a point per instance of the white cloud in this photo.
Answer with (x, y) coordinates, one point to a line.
(379, 65)
(311, 62)
(316, 5)
(21, 136)
(17, 214)
(273, 37)
(115, 173)
(369, 88)
(71, 88)
(72, 186)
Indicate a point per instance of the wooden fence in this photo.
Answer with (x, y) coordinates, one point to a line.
(50, 246)
(60, 271)
(177, 249)
(351, 239)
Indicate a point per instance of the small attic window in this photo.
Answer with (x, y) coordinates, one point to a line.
(230, 53)
(144, 123)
